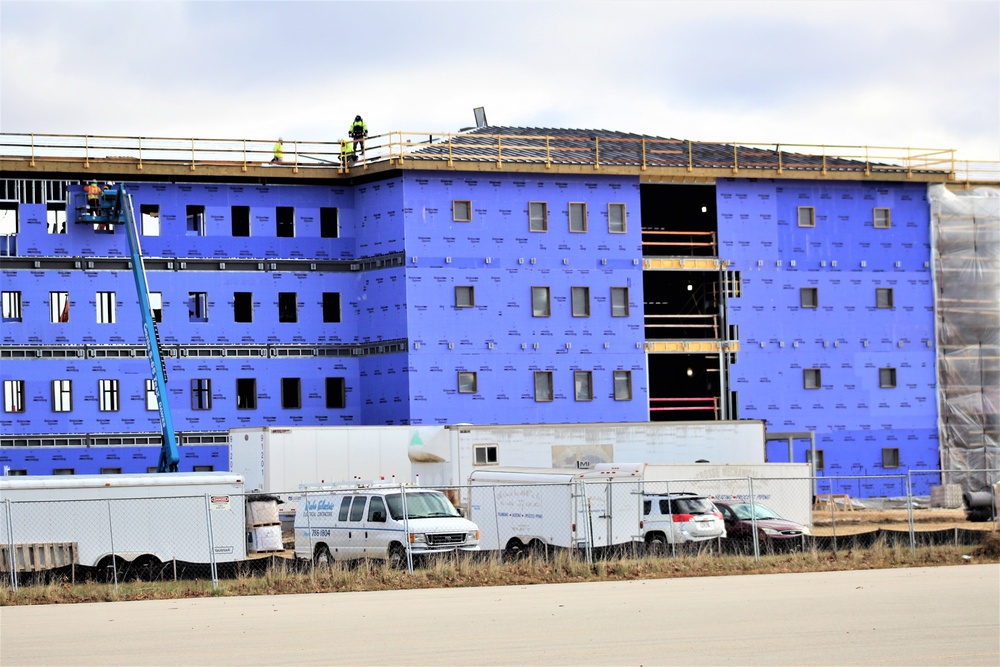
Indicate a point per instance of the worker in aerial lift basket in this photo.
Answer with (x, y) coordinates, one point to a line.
(93, 197)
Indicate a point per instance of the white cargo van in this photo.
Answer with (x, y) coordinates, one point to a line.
(368, 521)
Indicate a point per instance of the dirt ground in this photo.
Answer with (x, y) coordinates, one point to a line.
(864, 520)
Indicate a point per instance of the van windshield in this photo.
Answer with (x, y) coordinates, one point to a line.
(420, 505)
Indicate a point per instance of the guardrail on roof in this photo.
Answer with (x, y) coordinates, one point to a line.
(597, 150)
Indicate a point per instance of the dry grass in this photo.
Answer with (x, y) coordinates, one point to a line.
(466, 572)
(924, 519)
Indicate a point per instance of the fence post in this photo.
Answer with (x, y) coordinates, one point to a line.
(114, 556)
(304, 504)
(909, 513)
(406, 529)
(211, 541)
(11, 556)
(753, 521)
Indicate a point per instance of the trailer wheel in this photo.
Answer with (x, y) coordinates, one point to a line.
(656, 544)
(397, 557)
(322, 557)
(538, 549)
(514, 551)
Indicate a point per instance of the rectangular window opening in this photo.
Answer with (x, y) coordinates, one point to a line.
(246, 394)
(62, 396)
(485, 455)
(331, 307)
(329, 222)
(336, 393)
(543, 386)
(195, 223)
(284, 222)
(540, 304)
(288, 307)
(467, 382)
(619, 302)
(577, 217)
(242, 306)
(583, 385)
(11, 306)
(201, 394)
(581, 301)
(149, 219)
(616, 218)
(461, 210)
(108, 396)
(106, 308)
(887, 378)
(809, 297)
(197, 306)
(811, 378)
(13, 396)
(465, 296)
(623, 385)
(883, 297)
(58, 307)
(156, 306)
(291, 393)
(890, 457)
(807, 216)
(538, 216)
(820, 464)
(152, 405)
(241, 220)
(882, 218)
(56, 217)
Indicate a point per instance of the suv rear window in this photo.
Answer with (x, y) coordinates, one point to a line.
(686, 506)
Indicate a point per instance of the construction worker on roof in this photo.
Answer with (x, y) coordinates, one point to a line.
(93, 197)
(279, 151)
(346, 153)
(358, 131)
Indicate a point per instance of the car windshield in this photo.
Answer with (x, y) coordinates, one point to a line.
(420, 505)
(759, 512)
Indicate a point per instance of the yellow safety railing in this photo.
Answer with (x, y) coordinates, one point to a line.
(401, 148)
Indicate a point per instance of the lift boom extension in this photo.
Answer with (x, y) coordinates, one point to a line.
(116, 208)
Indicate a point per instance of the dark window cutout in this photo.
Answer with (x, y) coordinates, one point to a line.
(63, 471)
(195, 220)
(486, 455)
(811, 378)
(203, 468)
(809, 297)
(56, 216)
(331, 306)
(242, 306)
(329, 223)
(883, 297)
(201, 394)
(246, 394)
(111, 471)
(887, 378)
(241, 221)
(890, 457)
(820, 465)
(21, 472)
(285, 216)
(291, 393)
(287, 307)
(336, 393)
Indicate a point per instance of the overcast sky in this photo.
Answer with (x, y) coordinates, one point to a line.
(889, 73)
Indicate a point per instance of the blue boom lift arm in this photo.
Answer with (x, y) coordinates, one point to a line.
(115, 208)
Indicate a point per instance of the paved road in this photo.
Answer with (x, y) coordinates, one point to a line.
(919, 616)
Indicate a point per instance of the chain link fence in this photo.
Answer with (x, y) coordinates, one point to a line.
(207, 536)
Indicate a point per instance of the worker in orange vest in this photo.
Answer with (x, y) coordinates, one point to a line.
(93, 197)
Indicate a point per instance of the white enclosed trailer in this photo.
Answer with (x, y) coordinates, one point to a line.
(143, 517)
(279, 460)
(520, 509)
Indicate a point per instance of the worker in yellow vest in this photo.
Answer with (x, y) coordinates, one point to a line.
(358, 131)
(279, 151)
(93, 197)
(346, 153)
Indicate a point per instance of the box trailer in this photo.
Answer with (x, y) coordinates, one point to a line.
(520, 509)
(94, 520)
(279, 460)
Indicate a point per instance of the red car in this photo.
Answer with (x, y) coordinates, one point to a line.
(772, 530)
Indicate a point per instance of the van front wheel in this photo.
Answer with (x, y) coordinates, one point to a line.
(397, 557)
(322, 557)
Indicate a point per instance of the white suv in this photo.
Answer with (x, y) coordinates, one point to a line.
(675, 518)
(369, 522)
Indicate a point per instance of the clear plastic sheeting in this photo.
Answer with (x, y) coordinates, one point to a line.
(966, 237)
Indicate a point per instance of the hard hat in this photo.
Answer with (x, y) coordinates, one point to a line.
(280, 140)
(357, 117)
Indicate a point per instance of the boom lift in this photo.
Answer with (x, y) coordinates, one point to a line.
(115, 208)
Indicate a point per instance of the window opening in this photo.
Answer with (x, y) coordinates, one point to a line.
(329, 222)
(246, 394)
(151, 403)
(623, 385)
(882, 218)
(807, 216)
(538, 216)
(619, 302)
(287, 307)
(583, 385)
(883, 297)
(108, 397)
(543, 386)
(461, 210)
(149, 219)
(195, 220)
(11, 306)
(577, 217)
(486, 455)
(581, 301)
(809, 297)
(156, 306)
(201, 394)
(336, 393)
(291, 393)
(465, 296)
(106, 308)
(13, 396)
(285, 222)
(331, 307)
(241, 220)
(242, 306)
(467, 382)
(811, 378)
(616, 218)
(890, 457)
(197, 306)
(56, 218)
(540, 305)
(58, 307)
(62, 395)
(887, 378)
